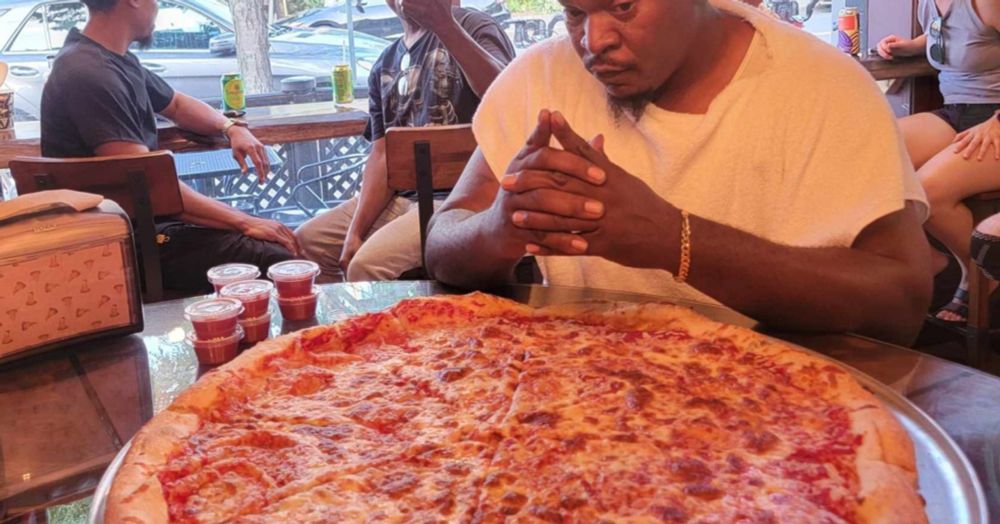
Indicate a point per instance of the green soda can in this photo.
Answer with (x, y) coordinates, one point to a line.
(343, 84)
(234, 99)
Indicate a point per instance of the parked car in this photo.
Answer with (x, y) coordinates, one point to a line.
(193, 46)
(373, 17)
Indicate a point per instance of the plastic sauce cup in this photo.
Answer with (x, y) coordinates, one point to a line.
(216, 351)
(256, 329)
(300, 307)
(225, 274)
(214, 317)
(293, 278)
(254, 294)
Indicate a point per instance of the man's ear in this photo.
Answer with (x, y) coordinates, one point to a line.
(134, 4)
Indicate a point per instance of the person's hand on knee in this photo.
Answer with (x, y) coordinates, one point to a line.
(979, 140)
(351, 246)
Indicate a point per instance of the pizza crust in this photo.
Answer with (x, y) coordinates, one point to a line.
(888, 494)
(136, 494)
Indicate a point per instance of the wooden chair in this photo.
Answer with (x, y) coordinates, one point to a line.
(129, 181)
(427, 159)
(977, 330)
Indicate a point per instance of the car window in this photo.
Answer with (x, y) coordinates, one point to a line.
(180, 27)
(62, 18)
(32, 35)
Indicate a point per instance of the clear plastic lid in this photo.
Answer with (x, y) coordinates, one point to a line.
(215, 343)
(304, 299)
(293, 270)
(232, 273)
(213, 309)
(256, 321)
(248, 289)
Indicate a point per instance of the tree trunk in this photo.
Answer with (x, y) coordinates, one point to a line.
(250, 20)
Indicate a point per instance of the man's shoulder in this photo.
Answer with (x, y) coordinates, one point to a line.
(809, 59)
(80, 64)
(552, 63)
(389, 50)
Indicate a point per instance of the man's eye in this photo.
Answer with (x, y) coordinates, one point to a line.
(573, 14)
(622, 8)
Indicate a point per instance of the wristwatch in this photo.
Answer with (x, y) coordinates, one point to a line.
(229, 125)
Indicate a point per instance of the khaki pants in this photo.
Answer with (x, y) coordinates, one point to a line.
(391, 248)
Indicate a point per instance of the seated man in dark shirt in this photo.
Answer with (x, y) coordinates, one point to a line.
(100, 101)
(434, 74)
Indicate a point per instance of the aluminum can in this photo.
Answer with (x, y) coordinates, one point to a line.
(848, 31)
(343, 84)
(234, 98)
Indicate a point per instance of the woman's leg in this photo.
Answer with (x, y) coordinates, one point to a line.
(949, 179)
(925, 135)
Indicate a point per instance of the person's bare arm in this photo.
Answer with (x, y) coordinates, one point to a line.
(894, 46)
(989, 12)
(375, 196)
(880, 286)
(460, 248)
(478, 65)
(198, 117)
(472, 240)
(204, 211)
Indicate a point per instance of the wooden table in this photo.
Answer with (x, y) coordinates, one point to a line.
(899, 68)
(271, 125)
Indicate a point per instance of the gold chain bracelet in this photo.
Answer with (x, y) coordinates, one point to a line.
(685, 264)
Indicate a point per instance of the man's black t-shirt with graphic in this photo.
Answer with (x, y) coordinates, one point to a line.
(424, 85)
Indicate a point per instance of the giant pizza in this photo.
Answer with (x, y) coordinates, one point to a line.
(478, 409)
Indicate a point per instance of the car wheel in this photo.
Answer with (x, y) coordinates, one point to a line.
(21, 115)
(557, 26)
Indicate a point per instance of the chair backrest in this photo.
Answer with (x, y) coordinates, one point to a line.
(427, 159)
(106, 176)
(450, 149)
(131, 181)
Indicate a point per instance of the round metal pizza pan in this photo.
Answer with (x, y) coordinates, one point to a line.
(948, 482)
(96, 515)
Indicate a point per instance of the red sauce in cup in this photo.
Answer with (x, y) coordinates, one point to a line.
(225, 274)
(214, 317)
(256, 329)
(254, 294)
(216, 351)
(299, 308)
(293, 278)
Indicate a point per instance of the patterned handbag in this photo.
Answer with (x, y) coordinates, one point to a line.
(68, 272)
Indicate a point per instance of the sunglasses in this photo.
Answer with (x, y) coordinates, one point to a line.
(406, 83)
(936, 35)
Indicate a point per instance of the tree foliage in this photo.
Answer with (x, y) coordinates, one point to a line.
(534, 6)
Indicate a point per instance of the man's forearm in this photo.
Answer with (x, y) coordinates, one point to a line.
(204, 211)
(815, 289)
(480, 67)
(459, 252)
(375, 196)
(196, 116)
